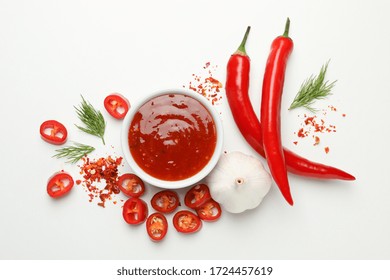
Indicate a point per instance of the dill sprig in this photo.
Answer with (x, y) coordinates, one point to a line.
(312, 89)
(92, 118)
(74, 153)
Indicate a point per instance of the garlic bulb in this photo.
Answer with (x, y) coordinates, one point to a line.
(239, 182)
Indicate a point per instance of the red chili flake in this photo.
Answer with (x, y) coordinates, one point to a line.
(94, 171)
(326, 149)
(316, 140)
(302, 133)
(208, 86)
(295, 142)
(313, 125)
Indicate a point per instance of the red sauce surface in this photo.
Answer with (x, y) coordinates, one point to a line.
(172, 137)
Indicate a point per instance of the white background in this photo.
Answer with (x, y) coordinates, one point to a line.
(53, 51)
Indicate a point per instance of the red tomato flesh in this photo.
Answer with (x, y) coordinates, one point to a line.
(131, 185)
(53, 132)
(59, 184)
(157, 226)
(165, 201)
(186, 222)
(116, 105)
(135, 211)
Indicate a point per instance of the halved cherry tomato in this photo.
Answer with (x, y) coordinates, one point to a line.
(116, 105)
(53, 132)
(131, 185)
(59, 184)
(157, 226)
(209, 211)
(186, 222)
(197, 195)
(135, 211)
(165, 201)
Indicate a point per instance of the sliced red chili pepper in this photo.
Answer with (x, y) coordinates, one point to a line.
(197, 195)
(116, 105)
(53, 132)
(131, 185)
(59, 184)
(271, 99)
(157, 226)
(135, 211)
(186, 222)
(209, 211)
(237, 93)
(165, 201)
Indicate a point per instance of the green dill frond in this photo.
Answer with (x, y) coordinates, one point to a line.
(314, 88)
(74, 153)
(92, 118)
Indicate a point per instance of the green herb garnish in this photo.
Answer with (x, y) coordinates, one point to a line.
(74, 153)
(92, 118)
(312, 89)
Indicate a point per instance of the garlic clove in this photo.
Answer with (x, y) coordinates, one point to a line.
(239, 182)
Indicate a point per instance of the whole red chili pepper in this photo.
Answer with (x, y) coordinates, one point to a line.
(271, 100)
(237, 92)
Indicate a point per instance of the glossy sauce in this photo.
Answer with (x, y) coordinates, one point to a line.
(172, 137)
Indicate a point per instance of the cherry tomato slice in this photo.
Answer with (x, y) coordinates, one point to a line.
(135, 211)
(197, 195)
(186, 222)
(209, 211)
(165, 201)
(131, 185)
(53, 132)
(59, 184)
(157, 226)
(116, 105)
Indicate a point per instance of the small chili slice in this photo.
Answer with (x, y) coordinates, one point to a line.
(53, 132)
(116, 105)
(131, 185)
(165, 201)
(157, 226)
(197, 195)
(209, 211)
(135, 211)
(186, 222)
(59, 184)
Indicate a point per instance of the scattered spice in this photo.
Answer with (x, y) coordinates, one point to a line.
(313, 125)
(206, 85)
(94, 171)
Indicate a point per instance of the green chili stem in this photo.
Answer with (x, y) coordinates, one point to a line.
(241, 48)
(286, 28)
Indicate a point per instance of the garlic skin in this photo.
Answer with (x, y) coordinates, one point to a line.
(239, 182)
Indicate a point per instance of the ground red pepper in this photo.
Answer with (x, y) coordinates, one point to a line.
(96, 171)
(313, 126)
(206, 85)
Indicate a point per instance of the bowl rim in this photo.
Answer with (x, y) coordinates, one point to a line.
(165, 183)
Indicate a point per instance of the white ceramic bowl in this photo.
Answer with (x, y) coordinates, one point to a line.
(180, 183)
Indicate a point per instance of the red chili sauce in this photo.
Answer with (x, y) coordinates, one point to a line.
(172, 137)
